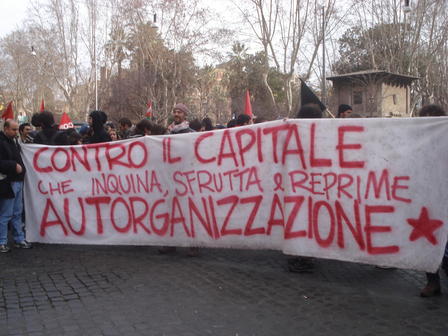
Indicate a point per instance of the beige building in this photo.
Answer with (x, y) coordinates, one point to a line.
(373, 93)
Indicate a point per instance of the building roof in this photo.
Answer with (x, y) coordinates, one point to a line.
(375, 75)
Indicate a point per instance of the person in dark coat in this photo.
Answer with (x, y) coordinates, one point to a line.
(433, 287)
(143, 127)
(96, 120)
(12, 172)
(301, 264)
(49, 133)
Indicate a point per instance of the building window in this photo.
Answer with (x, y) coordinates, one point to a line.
(394, 98)
(357, 97)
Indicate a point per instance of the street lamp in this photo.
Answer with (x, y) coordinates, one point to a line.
(407, 7)
(324, 84)
(154, 22)
(39, 72)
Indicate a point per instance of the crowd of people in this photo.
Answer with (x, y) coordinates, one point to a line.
(43, 129)
(98, 130)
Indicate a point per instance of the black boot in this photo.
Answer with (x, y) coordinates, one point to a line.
(433, 286)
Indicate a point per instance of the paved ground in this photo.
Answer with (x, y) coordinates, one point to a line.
(88, 290)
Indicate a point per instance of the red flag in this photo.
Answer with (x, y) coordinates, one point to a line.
(66, 122)
(42, 105)
(8, 112)
(248, 106)
(149, 109)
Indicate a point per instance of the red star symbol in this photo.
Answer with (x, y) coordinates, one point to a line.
(424, 227)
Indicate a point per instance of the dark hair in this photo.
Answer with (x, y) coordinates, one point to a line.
(142, 126)
(158, 130)
(231, 123)
(125, 122)
(309, 111)
(259, 120)
(73, 137)
(242, 119)
(432, 111)
(196, 125)
(46, 119)
(207, 124)
(111, 125)
(342, 108)
(22, 127)
(99, 118)
(35, 120)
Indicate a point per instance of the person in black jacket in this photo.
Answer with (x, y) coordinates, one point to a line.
(433, 287)
(301, 264)
(97, 119)
(12, 172)
(49, 133)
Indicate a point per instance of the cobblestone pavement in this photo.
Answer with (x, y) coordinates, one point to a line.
(110, 290)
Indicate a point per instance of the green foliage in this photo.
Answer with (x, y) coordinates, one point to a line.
(155, 73)
(379, 47)
(244, 71)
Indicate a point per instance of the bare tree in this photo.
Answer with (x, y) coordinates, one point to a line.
(412, 43)
(287, 32)
(65, 44)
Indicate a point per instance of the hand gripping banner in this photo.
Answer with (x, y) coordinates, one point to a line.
(363, 190)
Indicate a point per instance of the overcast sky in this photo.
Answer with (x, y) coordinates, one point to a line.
(12, 13)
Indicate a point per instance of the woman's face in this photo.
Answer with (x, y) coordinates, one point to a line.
(113, 135)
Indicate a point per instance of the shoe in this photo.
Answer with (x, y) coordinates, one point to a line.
(4, 249)
(193, 252)
(23, 245)
(432, 288)
(167, 250)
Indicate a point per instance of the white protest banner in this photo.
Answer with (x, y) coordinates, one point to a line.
(363, 190)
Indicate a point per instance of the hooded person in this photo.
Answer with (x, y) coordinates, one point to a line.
(180, 124)
(96, 120)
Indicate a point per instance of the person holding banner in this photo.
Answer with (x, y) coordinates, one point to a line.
(25, 133)
(12, 172)
(243, 120)
(180, 125)
(125, 126)
(433, 287)
(344, 111)
(304, 264)
(49, 134)
(96, 120)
